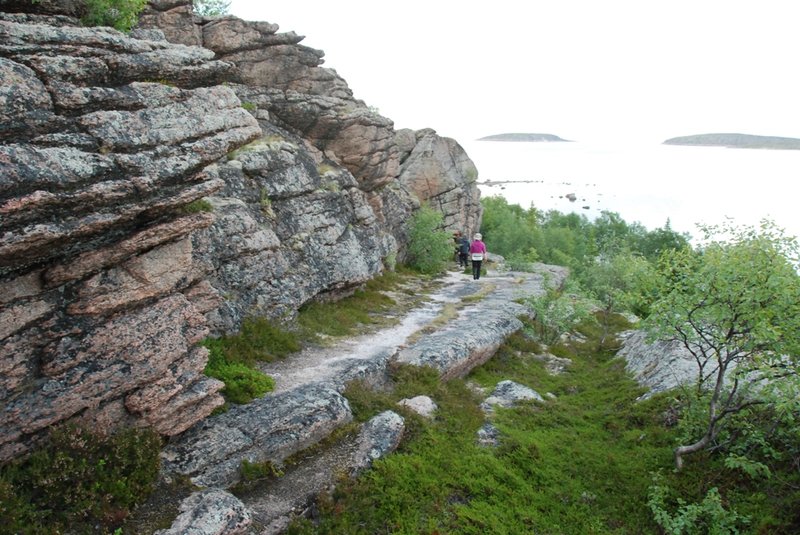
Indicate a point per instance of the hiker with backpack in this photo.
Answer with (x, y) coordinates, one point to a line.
(477, 250)
(463, 251)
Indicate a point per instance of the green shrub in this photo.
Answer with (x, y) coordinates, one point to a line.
(120, 14)
(348, 315)
(243, 383)
(232, 359)
(260, 340)
(429, 247)
(196, 206)
(254, 471)
(572, 465)
(558, 312)
(78, 481)
(707, 517)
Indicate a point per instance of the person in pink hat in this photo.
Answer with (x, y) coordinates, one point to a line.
(477, 251)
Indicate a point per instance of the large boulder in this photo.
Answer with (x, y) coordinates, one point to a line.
(439, 171)
(268, 430)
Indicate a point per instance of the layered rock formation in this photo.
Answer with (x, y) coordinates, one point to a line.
(111, 273)
(102, 305)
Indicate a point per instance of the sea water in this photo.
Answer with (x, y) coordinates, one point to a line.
(646, 183)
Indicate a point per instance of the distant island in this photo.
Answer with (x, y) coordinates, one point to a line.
(737, 141)
(523, 137)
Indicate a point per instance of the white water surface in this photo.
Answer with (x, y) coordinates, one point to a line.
(648, 183)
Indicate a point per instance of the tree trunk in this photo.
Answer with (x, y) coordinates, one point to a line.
(680, 451)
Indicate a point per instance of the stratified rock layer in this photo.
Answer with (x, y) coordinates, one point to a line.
(98, 287)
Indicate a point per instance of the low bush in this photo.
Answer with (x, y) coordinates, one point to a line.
(430, 247)
(348, 315)
(243, 383)
(681, 518)
(78, 482)
(259, 340)
(561, 466)
(197, 206)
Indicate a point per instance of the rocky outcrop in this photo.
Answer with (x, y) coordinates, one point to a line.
(658, 365)
(175, 19)
(111, 269)
(329, 187)
(286, 83)
(269, 429)
(437, 170)
(102, 306)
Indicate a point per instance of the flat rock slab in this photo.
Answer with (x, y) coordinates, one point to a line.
(268, 429)
(481, 327)
(210, 512)
(291, 495)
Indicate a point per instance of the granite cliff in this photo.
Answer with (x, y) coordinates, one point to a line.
(158, 187)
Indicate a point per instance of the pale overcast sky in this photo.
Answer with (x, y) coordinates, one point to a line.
(639, 70)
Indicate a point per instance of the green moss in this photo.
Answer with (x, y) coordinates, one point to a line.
(562, 466)
(78, 481)
(578, 463)
(255, 471)
(232, 359)
(259, 340)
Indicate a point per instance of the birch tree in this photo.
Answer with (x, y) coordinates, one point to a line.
(734, 304)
